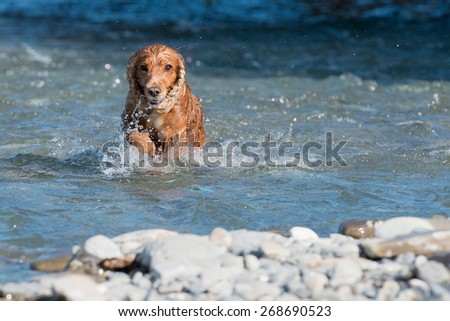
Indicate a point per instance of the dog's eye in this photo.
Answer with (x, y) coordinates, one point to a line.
(168, 68)
(144, 68)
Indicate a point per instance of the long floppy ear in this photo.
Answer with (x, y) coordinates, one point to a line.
(131, 73)
(181, 68)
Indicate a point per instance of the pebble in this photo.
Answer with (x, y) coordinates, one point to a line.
(315, 281)
(360, 228)
(302, 234)
(249, 265)
(433, 271)
(57, 264)
(398, 226)
(426, 243)
(77, 287)
(345, 272)
(273, 250)
(102, 247)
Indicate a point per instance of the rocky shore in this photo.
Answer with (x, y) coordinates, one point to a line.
(404, 258)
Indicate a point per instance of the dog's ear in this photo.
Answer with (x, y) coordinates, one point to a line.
(181, 68)
(131, 72)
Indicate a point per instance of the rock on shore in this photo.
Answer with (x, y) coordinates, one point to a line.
(405, 260)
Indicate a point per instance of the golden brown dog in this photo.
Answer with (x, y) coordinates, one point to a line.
(160, 110)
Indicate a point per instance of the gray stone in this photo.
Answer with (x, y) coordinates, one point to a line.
(118, 277)
(388, 291)
(366, 288)
(421, 287)
(76, 287)
(433, 271)
(398, 226)
(141, 280)
(102, 247)
(273, 250)
(360, 228)
(426, 243)
(248, 242)
(251, 262)
(57, 264)
(179, 255)
(315, 281)
(346, 272)
(439, 292)
(409, 295)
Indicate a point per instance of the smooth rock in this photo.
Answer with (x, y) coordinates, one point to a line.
(359, 228)
(131, 241)
(345, 272)
(443, 258)
(302, 234)
(273, 250)
(388, 291)
(102, 247)
(25, 291)
(77, 287)
(399, 226)
(251, 262)
(427, 243)
(221, 237)
(421, 287)
(248, 242)
(57, 264)
(123, 292)
(174, 256)
(433, 271)
(257, 290)
(315, 281)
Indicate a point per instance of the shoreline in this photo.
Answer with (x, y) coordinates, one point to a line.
(403, 258)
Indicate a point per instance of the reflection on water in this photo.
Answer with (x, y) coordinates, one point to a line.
(62, 92)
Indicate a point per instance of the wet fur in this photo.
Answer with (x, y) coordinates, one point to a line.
(179, 117)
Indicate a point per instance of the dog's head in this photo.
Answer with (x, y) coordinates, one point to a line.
(156, 72)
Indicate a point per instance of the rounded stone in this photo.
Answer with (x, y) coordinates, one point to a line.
(302, 234)
(397, 226)
(359, 228)
(102, 247)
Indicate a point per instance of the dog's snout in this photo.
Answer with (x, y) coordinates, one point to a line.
(154, 91)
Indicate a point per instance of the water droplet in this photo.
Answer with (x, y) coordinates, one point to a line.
(107, 66)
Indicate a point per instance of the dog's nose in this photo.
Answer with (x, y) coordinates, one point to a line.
(154, 91)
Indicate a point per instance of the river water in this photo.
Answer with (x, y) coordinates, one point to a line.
(382, 88)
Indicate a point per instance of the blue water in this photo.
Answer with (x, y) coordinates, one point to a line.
(383, 88)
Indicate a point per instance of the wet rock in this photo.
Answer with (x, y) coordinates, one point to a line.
(76, 287)
(359, 228)
(398, 226)
(102, 247)
(427, 243)
(57, 264)
(345, 272)
(174, 256)
(433, 271)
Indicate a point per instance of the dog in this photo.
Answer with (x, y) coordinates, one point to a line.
(160, 110)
